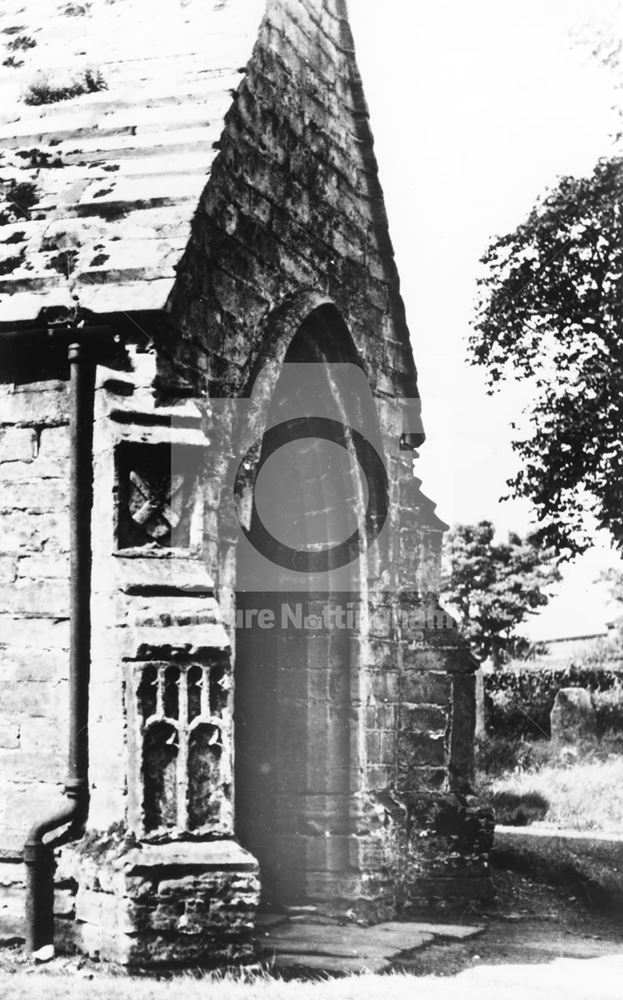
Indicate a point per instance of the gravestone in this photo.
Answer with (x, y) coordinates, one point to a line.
(573, 716)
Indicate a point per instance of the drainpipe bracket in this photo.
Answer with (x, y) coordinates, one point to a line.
(75, 788)
(36, 853)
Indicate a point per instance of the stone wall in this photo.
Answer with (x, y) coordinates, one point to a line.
(34, 574)
(518, 703)
(293, 204)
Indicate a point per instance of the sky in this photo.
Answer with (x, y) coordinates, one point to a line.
(477, 106)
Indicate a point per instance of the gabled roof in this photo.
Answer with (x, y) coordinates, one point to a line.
(98, 189)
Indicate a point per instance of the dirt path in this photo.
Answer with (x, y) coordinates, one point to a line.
(530, 923)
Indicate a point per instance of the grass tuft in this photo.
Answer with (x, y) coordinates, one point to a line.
(45, 91)
(20, 43)
(230, 986)
(75, 9)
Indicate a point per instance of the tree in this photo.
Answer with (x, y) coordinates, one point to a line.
(492, 586)
(551, 310)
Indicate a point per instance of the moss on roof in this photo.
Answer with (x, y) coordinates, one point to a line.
(110, 116)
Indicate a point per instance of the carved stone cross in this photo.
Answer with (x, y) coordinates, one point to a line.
(156, 505)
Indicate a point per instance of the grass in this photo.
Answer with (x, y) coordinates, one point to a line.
(44, 90)
(41, 985)
(79, 978)
(580, 796)
(21, 43)
(582, 786)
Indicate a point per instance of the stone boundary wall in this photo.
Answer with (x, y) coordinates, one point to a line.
(519, 703)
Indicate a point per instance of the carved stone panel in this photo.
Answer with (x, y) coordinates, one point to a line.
(183, 736)
(157, 494)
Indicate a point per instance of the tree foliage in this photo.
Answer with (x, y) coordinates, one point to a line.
(551, 310)
(493, 587)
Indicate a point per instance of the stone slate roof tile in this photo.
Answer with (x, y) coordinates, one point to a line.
(110, 112)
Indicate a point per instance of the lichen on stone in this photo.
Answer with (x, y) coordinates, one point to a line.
(39, 158)
(21, 42)
(97, 844)
(75, 9)
(17, 237)
(64, 262)
(10, 264)
(19, 197)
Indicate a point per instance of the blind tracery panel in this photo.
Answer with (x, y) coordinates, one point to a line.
(181, 711)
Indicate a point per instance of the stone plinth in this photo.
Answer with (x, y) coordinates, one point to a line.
(439, 847)
(153, 904)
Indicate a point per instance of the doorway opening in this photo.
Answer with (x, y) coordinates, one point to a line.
(297, 649)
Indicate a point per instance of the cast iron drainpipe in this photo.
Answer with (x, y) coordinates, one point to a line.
(38, 854)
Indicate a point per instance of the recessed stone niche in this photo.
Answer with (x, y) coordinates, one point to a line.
(157, 488)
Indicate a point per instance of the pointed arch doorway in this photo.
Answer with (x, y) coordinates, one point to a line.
(297, 720)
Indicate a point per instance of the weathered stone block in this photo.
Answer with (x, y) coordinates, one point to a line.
(17, 444)
(40, 497)
(379, 776)
(424, 718)
(417, 749)
(426, 688)
(422, 656)
(12, 920)
(24, 532)
(43, 734)
(54, 444)
(64, 902)
(12, 874)
(15, 473)
(23, 802)
(573, 716)
(36, 404)
(171, 903)
(24, 665)
(42, 567)
(323, 886)
(366, 853)
(39, 598)
(23, 635)
(8, 569)
(9, 735)
(384, 686)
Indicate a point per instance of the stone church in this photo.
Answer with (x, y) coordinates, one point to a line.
(227, 683)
